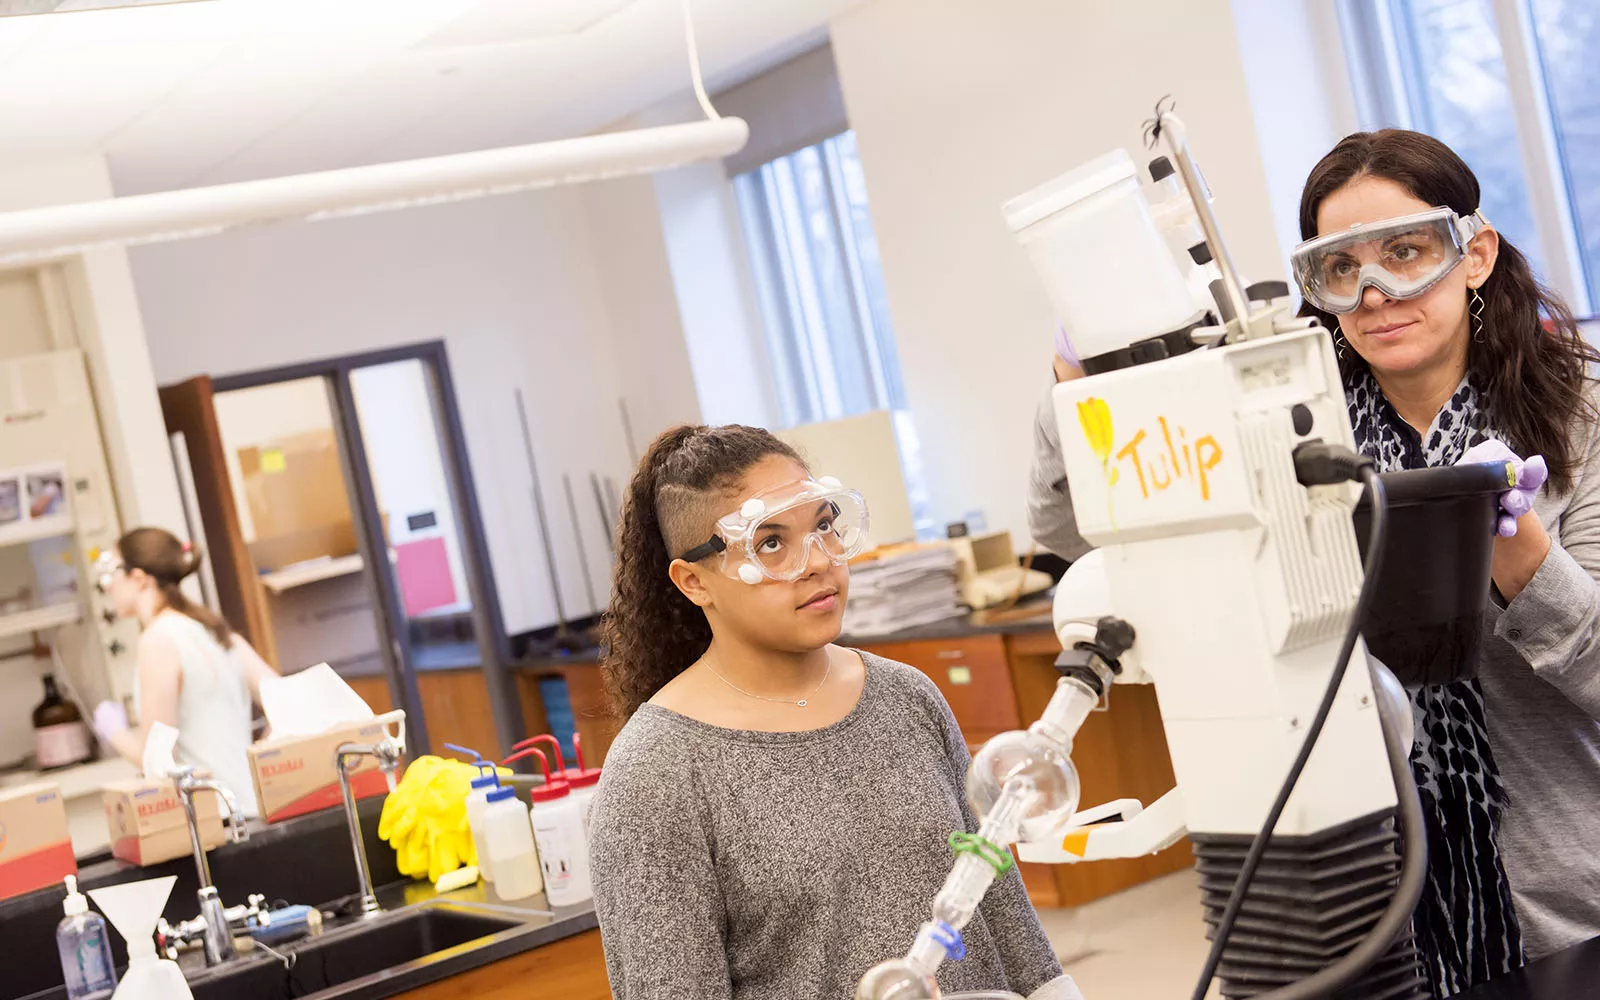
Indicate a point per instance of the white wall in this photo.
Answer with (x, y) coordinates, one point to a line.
(958, 106)
(650, 357)
(511, 285)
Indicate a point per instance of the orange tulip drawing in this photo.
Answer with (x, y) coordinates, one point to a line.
(1095, 417)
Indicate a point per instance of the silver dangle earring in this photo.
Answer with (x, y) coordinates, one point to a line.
(1338, 345)
(1477, 317)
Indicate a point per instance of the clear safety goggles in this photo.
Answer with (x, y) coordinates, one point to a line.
(772, 535)
(1402, 258)
(106, 569)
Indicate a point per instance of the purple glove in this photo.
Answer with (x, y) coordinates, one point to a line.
(1518, 500)
(109, 719)
(1064, 349)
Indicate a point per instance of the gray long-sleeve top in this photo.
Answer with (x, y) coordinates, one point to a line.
(731, 864)
(1540, 671)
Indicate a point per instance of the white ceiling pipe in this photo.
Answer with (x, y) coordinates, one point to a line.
(56, 231)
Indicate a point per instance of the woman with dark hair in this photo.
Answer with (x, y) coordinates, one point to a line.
(774, 817)
(195, 673)
(1452, 351)
(1445, 338)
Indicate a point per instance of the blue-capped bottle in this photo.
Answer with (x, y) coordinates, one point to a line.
(85, 949)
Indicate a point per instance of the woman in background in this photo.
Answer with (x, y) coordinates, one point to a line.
(195, 673)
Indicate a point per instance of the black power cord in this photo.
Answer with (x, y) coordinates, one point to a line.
(1315, 464)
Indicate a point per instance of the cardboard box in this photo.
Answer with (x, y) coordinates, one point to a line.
(296, 776)
(298, 504)
(148, 825)
(35, 847)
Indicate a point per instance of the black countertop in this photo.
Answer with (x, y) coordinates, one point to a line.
(304, 860)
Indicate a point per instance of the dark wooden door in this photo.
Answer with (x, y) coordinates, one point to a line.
(188, 407)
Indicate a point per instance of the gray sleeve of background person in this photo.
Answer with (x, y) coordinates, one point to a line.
(655, 892)
(1050, 517)
(1029, 960)
(1555, 621)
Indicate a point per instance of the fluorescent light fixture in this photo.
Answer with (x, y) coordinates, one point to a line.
(23, 8)
(57, 231)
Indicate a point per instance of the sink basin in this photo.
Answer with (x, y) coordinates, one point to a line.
(352, 952)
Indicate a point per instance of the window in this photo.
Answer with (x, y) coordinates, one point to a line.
(821, 287)
(1519, 101)
(820, 284)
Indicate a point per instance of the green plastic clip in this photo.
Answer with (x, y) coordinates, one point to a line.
(998, 858)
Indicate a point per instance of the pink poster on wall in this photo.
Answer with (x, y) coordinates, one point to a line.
(425, 581)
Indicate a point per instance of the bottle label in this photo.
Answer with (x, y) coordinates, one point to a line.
(58, 746)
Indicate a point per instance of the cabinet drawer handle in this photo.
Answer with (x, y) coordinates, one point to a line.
(950, 654)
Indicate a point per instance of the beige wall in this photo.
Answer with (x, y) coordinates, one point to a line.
(957, 107)
(512, 284)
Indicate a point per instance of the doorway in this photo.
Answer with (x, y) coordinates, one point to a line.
(342, 526)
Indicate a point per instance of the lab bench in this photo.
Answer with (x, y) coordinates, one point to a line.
(466, 943)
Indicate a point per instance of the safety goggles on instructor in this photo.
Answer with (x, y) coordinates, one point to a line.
(1402, 258)
(771, 536)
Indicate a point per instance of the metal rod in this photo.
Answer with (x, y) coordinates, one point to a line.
(538, 510)
(627, 431)
(1178, 142)
(577, 535)
(369, 898)
(605, 516)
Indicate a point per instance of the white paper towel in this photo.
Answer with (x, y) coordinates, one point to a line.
(310, 702)
(158, 760)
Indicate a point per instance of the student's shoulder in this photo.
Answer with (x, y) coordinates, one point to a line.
(651, 751)
(903, 680)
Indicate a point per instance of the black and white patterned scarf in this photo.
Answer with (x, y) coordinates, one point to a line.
(1466, 925)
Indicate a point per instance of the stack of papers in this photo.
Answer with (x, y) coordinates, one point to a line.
(903, 588)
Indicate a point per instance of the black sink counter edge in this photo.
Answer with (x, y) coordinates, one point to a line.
(463, 958)
(303, 860)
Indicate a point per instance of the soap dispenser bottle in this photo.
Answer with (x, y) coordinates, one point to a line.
(85, 949)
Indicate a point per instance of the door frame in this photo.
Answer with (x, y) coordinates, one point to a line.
(494, 645)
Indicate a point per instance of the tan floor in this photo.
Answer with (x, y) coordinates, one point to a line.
(1146, 943)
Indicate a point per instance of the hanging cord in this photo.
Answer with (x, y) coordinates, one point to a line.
(694, 65)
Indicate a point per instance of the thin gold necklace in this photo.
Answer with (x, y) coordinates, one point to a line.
(797, 703)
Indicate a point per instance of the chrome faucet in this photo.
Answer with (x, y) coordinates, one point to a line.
(218, 936)
(388, 752)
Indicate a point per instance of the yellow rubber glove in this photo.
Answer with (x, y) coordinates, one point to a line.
(425, 818)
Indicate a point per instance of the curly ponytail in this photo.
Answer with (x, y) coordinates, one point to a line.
(652, 632)
(167, 561)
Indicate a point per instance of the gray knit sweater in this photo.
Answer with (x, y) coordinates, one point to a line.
(731, 864)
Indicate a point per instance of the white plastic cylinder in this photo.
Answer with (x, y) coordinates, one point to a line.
(1104, 264)
(510, 846)
(563, 848)
(477, 804)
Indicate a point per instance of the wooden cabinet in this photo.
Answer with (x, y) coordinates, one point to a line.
(1120, 753)
(591, 711)
(573, 968)
(973, 676)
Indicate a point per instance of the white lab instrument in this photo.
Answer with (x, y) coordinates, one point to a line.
(1212, 469)
(1108, 273)
(134, 908)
